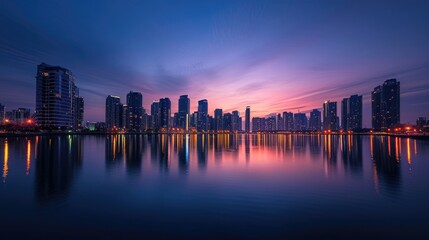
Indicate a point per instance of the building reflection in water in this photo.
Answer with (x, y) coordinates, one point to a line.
(58, 159)
(351, 153)
(247, 147)
(134, 149)
(5, 160)
(315, 145)
(182, 141)
(385, 151)
(202, 140)
(114, 151)
(386, 156)
(330, 149)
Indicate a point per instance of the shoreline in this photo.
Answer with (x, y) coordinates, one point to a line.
(33, 134)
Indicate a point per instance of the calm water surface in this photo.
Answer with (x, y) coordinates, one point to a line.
(214, 186)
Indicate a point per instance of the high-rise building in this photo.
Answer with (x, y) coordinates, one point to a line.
(203, 108)
(330, 118)
(386, 105)
(19, 116)
(218, 120)
(351, 113)
(240, 124)
(194, 119)
(113, 112)
(247, 120)
(390, 105)
(2, 112)
(300, 121)
(421, 122)
(270, 124)
(280, 123)
(235, 120)
(154, 112)
(184, 111)
(80, 104)
(165, 112)
(258, 124)
(134, 111)
(210, 122)
(227, 122)
(344, 113)
(288, 121)
(376, 117)
(55, 97)
(315, 120)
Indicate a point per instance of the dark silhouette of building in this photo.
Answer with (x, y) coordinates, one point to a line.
(288, 121)
(194, 120)
(315, 123)
(184, 111)
(227, 122)
(421, 122)
(247, 119)
(258, 124)
(134, 115)
(235, 121)
(386, 105)
(351, 113)
(57, 160)
(154, 112)
(2, 112)
(218, 120)
(280, 122)
(114, 112)
(164, 113)
(330, 118)
(300, 121)
(80, 106)
(55, 97)
(270, 124)
(203, 107)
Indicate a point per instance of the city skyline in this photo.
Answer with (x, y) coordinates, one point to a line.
(234, 54)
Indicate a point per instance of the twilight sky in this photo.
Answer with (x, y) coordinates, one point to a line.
(272, 55)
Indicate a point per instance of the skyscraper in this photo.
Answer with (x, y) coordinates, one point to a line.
(258, 124)
(330, 118)
(184, 111)
(385, 101)
(113, 112)
(227, 122)
(165, 112)
(280, 123)
(154, 112)
(55, 97)
(79, 112)
(344, 113)
(390, 104)
(376, 117)
(218, 120)
(2, 113)
(202, 115)
(270, 124)
(288, 121)
(351, 113)
(315, 120)
(300, 121)
(235, 120)
(134, 111)
(247, 119)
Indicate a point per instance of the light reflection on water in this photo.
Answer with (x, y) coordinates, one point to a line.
(214, 185)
